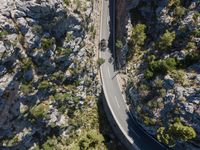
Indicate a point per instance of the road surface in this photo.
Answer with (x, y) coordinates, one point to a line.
(111, 88)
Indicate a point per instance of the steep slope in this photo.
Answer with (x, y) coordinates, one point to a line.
(163, 70)
(48, 75)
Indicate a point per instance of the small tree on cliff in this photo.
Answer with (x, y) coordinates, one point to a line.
(166, 40)
(176, 132)
(138, 35)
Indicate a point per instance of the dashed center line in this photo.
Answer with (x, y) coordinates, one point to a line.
(117, 102)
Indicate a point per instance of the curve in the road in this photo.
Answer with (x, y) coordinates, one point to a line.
(116, 103)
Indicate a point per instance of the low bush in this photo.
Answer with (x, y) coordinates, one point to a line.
(40, 110)
(176, 132)
(3, 33)
(100, 61)
(26, 89)
(138, 35)
(149, 121)
(46, 43)
(190, 59)
(179, 11)
(166, 40)
(44, 85)
(178, 76)
(160, 67)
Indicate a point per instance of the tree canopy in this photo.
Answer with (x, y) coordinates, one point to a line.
(138, 35)
(176, 132)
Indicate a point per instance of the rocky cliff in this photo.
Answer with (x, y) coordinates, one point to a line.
(122, 22)
(48, 82)
(163, 70)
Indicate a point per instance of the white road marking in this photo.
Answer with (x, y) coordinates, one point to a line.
(109, 72)
(124, 98)
(117, 102)
(106, 95)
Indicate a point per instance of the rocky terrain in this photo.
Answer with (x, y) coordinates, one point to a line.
(163, 70)
(48, 75)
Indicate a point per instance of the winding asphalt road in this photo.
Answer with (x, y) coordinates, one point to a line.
(115, 100)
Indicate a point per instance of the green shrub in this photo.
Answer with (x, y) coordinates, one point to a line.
(181, 132)
(91, 140)
(149, 121)
(189, 59)
(158, 83)
(46, 43)
(148, 74)
(180, 11)
(69, 37)
(40, 110)
(26, 89)
(27, 63)
(51, 143)
(160, 67)
(3, 33)
(44, 85)
(163, 136)
(62, 96)
(138, 35)
(196, 15)
(64, 51)
(119, 44)
(166, 40)
(196, 32)
(143, 87)
(178, 76)
(191, 45)
(176, 132)
(172, 3)
(100, 61)
(151, 58)
(67, 2)
(162, 92)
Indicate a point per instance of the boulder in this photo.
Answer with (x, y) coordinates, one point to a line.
(168, 82)
(188, 107)
(169, 98)
(38, 11)
(2, 70)
(17, 14)
(179, 91)
(197, 79)
(4, 82)
(23, 25)
(8, 25)
(2, 48)
(32, 40)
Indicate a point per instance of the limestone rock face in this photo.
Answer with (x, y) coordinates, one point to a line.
(41, 10)
(46, 58)
(161, 94)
